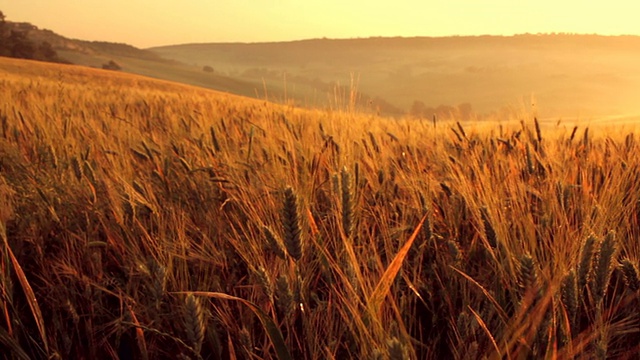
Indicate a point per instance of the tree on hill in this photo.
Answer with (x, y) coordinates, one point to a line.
(15, 42)
(3, 29)
(19, 46)
(112, 65)
(46, 51)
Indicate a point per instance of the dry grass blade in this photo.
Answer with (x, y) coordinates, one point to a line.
(503, 315)
(384, 284)
(142, 343)
(26, 287)
(269, 325)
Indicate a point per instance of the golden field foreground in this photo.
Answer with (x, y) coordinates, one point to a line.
(145, 220)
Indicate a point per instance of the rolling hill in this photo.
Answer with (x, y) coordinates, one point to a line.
(553, 75)
(565, 75)
(136, 61)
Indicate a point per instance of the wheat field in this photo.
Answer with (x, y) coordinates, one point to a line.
(142, 219)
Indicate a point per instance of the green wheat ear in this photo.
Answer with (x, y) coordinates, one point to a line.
(284, 296)
(569, 294)
(195, 322)
(347, 202)
(586, 258)
(630, 273)
(454, 250)
(273, 243)
(397, 351)
(603, 269)
(265, 281)
(158, 274)
(526, 275)
(291, 224)
(489, 231)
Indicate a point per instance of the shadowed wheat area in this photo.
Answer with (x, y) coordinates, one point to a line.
(149, 220)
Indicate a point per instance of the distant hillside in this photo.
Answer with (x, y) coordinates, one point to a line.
(61, 43)
(131, 59)
(127, 58)
(567, 75)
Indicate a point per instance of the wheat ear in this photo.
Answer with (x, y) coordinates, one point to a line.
(291, 223)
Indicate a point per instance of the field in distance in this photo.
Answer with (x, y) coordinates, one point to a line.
(567, 75)
(559, 76)
(147, 219)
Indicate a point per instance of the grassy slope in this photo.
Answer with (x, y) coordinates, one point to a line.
(119, 193)
(569, 75)
(166, 71)
(141, 62)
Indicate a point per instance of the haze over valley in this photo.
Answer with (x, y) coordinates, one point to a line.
(564, 75)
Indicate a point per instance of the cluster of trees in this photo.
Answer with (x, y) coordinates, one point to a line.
(15, 43)
(111, 65)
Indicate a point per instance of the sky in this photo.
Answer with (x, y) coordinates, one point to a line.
(147, 23)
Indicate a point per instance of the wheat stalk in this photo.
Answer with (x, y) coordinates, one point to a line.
(284, 296)
(397, 351)
(527, 276)
(265, 281)
(291, 224)
(347, 202)
(77, 169)
(570, 299)
(586, 258)
(489, 231)
(194, 321)
(603, 268)
(273, 243)
(158, 280)
(630, 273)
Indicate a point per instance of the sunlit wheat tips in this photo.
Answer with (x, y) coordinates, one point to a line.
(291, 224)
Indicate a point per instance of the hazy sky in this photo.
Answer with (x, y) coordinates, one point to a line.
(145, 23)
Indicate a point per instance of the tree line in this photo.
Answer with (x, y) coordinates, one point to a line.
(15, 43)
